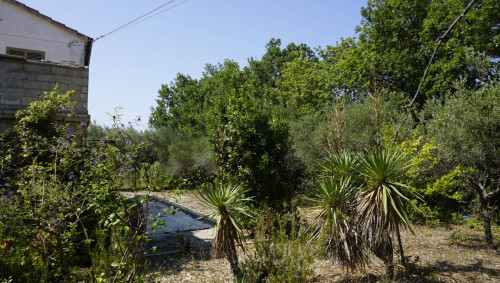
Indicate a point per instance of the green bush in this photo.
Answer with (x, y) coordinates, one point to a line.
(282, 251)
(62, 217)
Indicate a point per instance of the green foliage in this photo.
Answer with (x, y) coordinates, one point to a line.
(61, 213)
(228, 204)
(382, 206)
(252, 144)
(396, 38)
(466, 126)
(335, 199)
(269, 69)
(282, 253)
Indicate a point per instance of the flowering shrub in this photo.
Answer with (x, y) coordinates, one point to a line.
(62, 217)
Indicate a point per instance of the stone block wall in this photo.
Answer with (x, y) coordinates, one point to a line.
(22, 82)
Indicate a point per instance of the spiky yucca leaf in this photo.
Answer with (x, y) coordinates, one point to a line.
(382, 205)
(335, 198)
(228, 204)
(337, 166)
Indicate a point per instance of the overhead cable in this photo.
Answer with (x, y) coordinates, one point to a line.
(134, 20)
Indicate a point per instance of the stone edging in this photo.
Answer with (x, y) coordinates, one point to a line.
(192, 213)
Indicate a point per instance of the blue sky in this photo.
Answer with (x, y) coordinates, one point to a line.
(128, 67)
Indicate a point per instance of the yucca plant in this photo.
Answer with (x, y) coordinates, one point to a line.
(228, 203)
(335, 199)
(381, 210)
(339, 165)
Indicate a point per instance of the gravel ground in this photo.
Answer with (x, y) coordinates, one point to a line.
(456, 254)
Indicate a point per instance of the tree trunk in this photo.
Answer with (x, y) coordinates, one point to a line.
(488, 237)
(401, 251)
(234, 263)
(385, 252)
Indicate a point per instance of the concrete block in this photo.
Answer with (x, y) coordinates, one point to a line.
(12, 83)
(59, 71)
(34, 93)
(85, 73)
(14, 66)
(9, 112)
(82, 81)
(32, 68)
(31, 84)
(16, 75)
(84, 89)
(9, 100)
(27, 100)
(62, 79)
(46, 77)
(47, 86)
(63, 87)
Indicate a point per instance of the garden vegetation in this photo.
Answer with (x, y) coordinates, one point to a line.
(299, 127)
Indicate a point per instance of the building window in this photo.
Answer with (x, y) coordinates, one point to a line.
(26, 54)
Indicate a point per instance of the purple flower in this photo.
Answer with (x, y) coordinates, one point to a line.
(106, 137)
(114, 117)
(53, 149)
(138, 118)
(123, 125)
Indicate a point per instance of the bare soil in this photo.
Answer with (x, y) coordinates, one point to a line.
(454, 254)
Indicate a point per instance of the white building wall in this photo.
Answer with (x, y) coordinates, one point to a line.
(21, 29)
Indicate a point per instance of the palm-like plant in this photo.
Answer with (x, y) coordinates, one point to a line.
(381, 210)
(339, 165)
(227, 203)
(335, 198)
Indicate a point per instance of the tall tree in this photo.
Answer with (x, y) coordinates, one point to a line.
(467, 126)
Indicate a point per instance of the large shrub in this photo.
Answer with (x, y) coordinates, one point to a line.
(251, 144)
(62, 217)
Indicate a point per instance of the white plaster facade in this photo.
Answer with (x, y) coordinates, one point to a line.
(25, 28)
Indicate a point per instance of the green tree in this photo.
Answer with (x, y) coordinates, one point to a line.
(269, 69)
(467, 125)
(256, 144)
(179, 103)
(396, 39)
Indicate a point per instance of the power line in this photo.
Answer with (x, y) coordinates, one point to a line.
(27, 37)
(140, 17)
(160, 12)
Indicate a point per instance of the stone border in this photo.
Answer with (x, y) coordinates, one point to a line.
(192, 213)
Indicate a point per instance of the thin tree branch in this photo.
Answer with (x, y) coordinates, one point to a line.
(438, 44)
